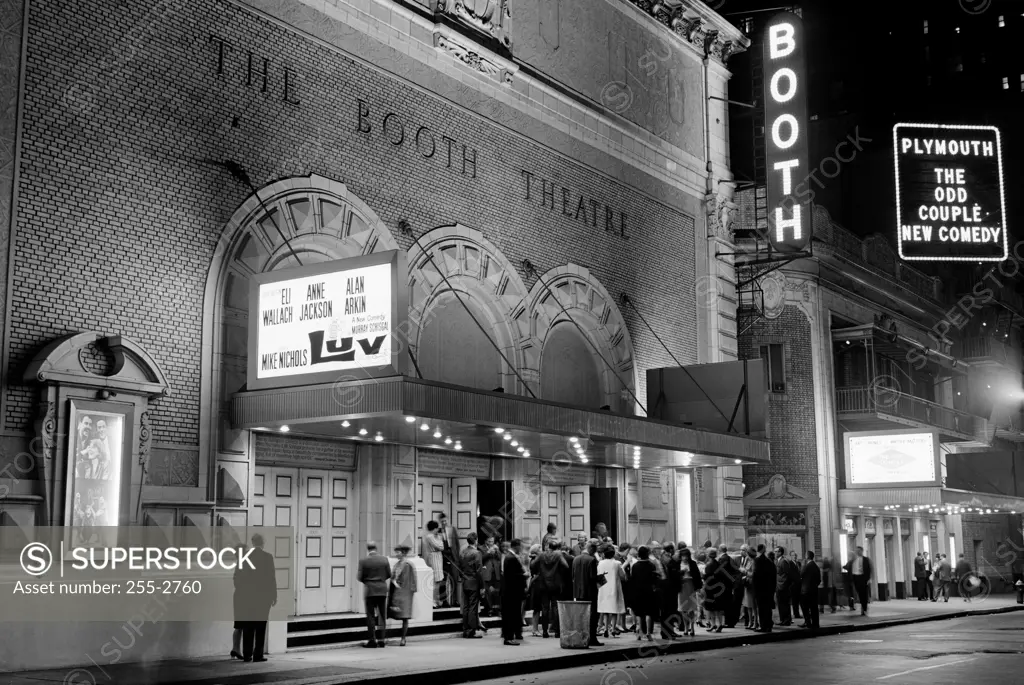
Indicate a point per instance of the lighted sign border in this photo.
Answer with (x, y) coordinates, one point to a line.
(1002, 192)
(796, 107)
(399, 318)
(900, 484)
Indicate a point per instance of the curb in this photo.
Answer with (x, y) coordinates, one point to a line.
(576, 659)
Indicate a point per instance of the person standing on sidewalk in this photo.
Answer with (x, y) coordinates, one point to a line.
(796, 572)
(783, 585)
(513, 589)
(964, 578)
(810, 579)
(930, 566)
(749, 598)
(450, 542)
(921, 576)
(860, 571)
(548, 568)
(259, 592)
(729, 571)
(472, 583)
(374, 573)
(945, 575)
(765, 579)
(585, 586)
(403, 589)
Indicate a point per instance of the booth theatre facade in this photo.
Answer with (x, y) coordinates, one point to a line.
(346, 266)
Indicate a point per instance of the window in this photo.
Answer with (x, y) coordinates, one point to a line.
(1006, 83)
(747, 25)
(1002, 21)
(926, 27)
(774, 368)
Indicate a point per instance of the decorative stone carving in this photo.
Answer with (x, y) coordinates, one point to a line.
(720, 212)
(46, 428)
(145, 438)
(778, 488)
(774, 288)
(491, 17)
(471, 58)
(674, 14)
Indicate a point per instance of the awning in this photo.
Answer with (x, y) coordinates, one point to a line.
(938, 497)
(410, 411)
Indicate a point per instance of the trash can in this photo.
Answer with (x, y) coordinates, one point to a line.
(574, 624)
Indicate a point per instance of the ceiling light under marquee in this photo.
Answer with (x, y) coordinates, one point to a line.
(378, 437)
(515, 443)
(285, 429)
(508, 436)
(345, 424)
(437, 432)
(410, 419)
(447, 441)
(520, 449)
(499, 431)
(526, 453)
(458, 445)
(363, 431)
(574, 439)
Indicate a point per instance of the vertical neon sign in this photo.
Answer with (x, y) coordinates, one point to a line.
(785, 112)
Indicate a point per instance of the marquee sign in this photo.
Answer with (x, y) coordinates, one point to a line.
(882, 458)
(950, 200)
(328, 322)
(785, 112)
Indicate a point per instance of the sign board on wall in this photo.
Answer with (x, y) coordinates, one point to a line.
(785, 111)
(880, 458)
(869, 526)
(327, 322)
(887, 527)
(850, 526)
(452, 465)
(306, 453)
(950, 201)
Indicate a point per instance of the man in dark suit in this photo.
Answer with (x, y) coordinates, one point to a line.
(860, 571)
(584, 585)
(929, 568)
(259, 588)
(765, 578)
(472, 582)
(374, 574)
(810, 579)
(548, 568)
(729, 570)
(513, 589)
(782, 587)
(450, 556)
(920, 577)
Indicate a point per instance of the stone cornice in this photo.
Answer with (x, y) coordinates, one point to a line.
(698, 25)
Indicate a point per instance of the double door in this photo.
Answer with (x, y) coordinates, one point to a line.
(318, 505)
(453, 497)
(568, 507)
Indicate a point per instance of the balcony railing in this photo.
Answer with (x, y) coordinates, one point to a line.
(878, 400)
(984, 347)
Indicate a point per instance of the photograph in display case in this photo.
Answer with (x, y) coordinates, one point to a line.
(95, 463)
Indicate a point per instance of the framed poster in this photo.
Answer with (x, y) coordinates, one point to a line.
(99, 454)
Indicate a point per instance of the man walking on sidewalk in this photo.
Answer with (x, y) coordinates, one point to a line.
(782, 587)
(584, 585)
(860, 570)
(765, 578)
(964, 578)
(374, 573)
(472, 582)
(810, 579)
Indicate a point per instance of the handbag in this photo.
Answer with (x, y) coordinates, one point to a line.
(392, 610)
(602, 579)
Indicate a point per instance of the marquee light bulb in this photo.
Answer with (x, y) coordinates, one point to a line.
(378, 437)
(424, 427)
(363, 431)
(458, 445)
(526, 453)
(345, 424)
(437, 432)
(410, 419)
(499, 430)
(515, 443)
(508, 436)
(285, 429)
(447, 441)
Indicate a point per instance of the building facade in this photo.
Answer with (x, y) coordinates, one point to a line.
(856, 342)
(530, 165)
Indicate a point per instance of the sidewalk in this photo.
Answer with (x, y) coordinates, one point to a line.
(443, 659)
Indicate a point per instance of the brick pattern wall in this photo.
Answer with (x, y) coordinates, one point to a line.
(996, 555)
(791, 423)
(118, 207)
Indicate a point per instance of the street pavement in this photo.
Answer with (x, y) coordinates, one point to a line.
(981, 650)
(846, 649)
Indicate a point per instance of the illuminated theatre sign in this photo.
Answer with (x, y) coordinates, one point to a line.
(899, 458)
(327, 322)
(786, 135)
(950, 202)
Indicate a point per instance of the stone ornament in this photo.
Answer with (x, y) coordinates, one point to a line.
(774, 288)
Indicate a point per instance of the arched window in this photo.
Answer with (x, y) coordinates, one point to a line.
(568, 369)
(453, 349)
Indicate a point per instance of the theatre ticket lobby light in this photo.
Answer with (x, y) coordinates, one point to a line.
(470, 417)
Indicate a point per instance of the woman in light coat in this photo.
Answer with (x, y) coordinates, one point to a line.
(433, 554)
(611, 600)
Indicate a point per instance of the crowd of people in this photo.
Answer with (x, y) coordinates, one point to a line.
(659, 589)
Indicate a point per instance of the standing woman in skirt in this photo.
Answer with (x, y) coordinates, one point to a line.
(403, 587)
(689, 584)
(750, 619)
(433, 554)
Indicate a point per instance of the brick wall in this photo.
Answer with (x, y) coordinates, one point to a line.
(997, 555)
(791, 423)
(118, 208)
